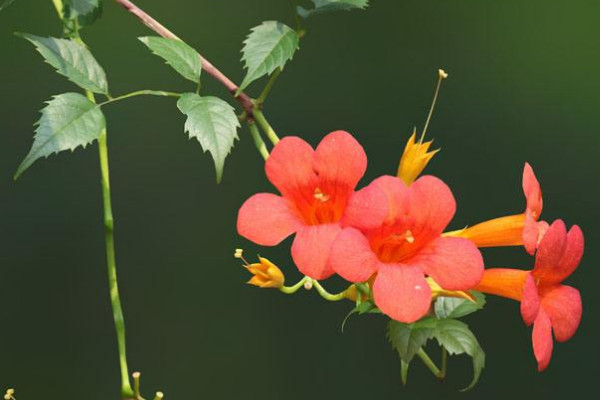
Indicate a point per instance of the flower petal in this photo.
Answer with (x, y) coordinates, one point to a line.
(267, 219)
(432, 206)
(563, 305)
(340, 159)
(530, 302)
(397, 194)
(312, 247)
(558, 253)
(366, 209)
(289, 168)
(571, 256)
(454, 263)
(402, 292)
(542, 340)
(532, 191)
(531, 233)
(352, 257)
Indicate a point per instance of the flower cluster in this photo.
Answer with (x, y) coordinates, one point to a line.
(390, 236)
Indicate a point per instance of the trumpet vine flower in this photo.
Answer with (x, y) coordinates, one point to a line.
(513, 230)
(317, 199)
(545, 302)
(406, 247)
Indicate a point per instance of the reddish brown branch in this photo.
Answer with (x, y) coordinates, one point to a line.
(207, 66)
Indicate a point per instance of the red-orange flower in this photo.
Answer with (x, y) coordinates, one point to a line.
(318, 199)
(545, 302)
(406, 247)
(513, 230)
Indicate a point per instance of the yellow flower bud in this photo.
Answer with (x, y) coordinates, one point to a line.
(415, 158)
(266, 274)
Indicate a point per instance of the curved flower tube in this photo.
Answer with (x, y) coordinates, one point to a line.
(318, 199)
(406, 246)
(513, 230)
(545, 302)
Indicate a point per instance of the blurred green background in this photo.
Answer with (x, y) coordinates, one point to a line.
(523, 86)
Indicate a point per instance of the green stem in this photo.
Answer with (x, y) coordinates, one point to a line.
(429, 364)
(267, 89)
(258, 141)
(140, 93)
(126, 391)
(444, 363)
(265, 126)
(115, 300)
(295, 288)
(58, 4)
(326, 295)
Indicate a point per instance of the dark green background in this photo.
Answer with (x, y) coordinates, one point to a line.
(523, 86)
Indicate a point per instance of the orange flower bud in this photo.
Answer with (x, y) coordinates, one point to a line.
(266, 274)
(437, 291)
(415, 158)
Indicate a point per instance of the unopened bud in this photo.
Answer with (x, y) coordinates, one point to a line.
(308, 284)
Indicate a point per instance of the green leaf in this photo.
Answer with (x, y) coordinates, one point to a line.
(177, 54)
(268, 47)
(404, 371)
(86, 12)
(72, 60)
(364, 307)
(456, 337)
(68, 121)
(213, 122)
(407, 339)
(323, 6)
(452, 307)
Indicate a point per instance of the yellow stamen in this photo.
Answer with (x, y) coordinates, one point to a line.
(319, 195)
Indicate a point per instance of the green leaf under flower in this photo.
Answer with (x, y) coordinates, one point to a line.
(456, 337)
(454, 307)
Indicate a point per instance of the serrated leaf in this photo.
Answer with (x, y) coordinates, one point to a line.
(407, 339)
(324, 6)
(177, 54)
(72, 60)
(268, 47)
(364, 307)
(213, 122)
(68, 121)
(453, 307)
(456, 337)
(84, 11)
